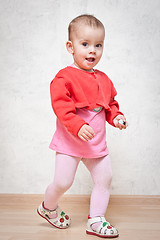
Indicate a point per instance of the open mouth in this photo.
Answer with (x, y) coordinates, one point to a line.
(91, 60)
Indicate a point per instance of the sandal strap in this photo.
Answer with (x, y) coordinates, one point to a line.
(96, 219)
(57, 211)
(51, 211)
(47, 210)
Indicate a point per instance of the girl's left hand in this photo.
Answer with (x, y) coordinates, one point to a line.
(119, 125)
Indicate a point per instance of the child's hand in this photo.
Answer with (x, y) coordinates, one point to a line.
(86, 133)
(119, 125)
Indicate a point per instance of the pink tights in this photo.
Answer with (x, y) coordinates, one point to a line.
(65, 170)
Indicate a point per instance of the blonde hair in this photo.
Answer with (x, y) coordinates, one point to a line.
(85, 19)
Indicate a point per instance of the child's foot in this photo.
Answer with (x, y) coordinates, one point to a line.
(100, 227)
(56, 218)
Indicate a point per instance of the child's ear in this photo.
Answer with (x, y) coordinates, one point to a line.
(69, 47)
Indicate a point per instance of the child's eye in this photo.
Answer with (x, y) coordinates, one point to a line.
(85, 44)
(99, 45)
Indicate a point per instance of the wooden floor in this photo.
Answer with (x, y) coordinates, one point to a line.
(136, 218)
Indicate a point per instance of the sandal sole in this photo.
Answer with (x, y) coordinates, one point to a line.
(102, 236)
(50, 222)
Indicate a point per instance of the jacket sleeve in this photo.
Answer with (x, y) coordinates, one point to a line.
(114, 107)
(64, 106)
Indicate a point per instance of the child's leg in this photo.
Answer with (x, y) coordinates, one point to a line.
(65, 170)
(101, 172)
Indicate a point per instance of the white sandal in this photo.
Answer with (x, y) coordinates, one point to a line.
(105, 230)
(61, 221)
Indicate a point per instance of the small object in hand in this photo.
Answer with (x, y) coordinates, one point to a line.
(121, 122)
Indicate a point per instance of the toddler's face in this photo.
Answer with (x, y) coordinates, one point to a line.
(87, 46)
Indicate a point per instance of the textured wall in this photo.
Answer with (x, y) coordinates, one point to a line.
(32, 48)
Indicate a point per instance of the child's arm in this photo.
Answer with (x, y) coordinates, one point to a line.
(64, 106)
(113, 111)
(113, 116)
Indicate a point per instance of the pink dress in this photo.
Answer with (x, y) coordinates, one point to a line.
(66, 143)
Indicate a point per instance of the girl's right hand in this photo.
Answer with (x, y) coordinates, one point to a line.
(86, 133)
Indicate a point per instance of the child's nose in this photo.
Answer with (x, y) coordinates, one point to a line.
(92, 49)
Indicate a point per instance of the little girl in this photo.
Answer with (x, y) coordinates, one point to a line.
(83, 100)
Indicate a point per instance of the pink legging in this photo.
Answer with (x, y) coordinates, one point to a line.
(65, 170)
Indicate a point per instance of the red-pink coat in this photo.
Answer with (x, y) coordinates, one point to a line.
(75, 88)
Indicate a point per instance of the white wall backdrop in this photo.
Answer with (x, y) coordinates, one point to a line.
(32, 50)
